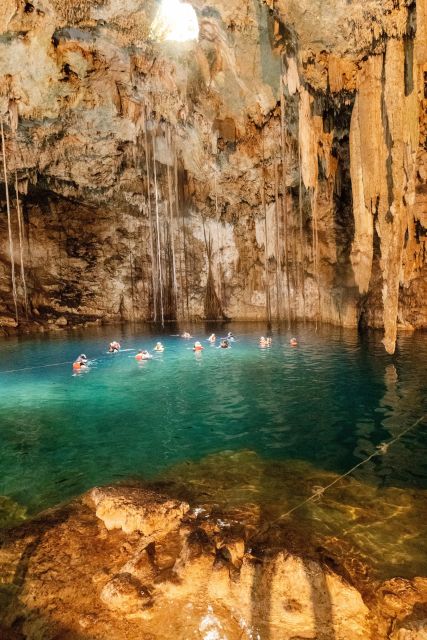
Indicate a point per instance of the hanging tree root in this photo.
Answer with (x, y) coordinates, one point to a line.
(9, 223)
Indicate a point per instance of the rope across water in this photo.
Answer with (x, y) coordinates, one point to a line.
(318, 492)
(40, 366)
(55, 364)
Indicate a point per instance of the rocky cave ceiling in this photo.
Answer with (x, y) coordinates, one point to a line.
(273, 167)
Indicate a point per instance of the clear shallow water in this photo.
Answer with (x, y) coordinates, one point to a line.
(330, 402)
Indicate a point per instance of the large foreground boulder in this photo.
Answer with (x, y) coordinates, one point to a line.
(128, 563)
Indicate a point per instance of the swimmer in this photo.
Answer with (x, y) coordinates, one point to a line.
(263, 342)
(159, 347)
(212, 338)
(224, 344)
(230, 337)
(197, 347)
(80, 363)
(293, 342)
(186, 335)
(143, 355)
(114, 347)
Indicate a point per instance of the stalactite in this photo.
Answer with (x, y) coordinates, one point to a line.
(213, 308)
(384, 138)
(158, 237)
(284, 190)
(172, 229)
(150, 217)
(308, 141)
(9, 223)
(301, 234)
(266, 267)
(21, 248)
(278, 255)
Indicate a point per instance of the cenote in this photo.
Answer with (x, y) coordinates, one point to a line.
(263, 424)
(176, 166)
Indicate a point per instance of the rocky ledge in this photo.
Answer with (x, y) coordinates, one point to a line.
(129, 562)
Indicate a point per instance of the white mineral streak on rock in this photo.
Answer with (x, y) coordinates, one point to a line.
(292, 76)
(210, 627)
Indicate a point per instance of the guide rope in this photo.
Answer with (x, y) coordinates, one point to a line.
(59, 364)
(318, 491)
(40, 366)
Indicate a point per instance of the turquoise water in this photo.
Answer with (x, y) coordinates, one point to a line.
(330, 401)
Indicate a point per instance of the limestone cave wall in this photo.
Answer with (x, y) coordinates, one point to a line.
(273, 168)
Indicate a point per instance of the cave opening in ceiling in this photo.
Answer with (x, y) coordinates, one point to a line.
(175, 21)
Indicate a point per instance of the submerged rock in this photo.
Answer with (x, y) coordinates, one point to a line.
(366, 529)
(127, 562)
(11, 513)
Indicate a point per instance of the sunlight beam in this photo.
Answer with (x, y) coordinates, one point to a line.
(175, 21)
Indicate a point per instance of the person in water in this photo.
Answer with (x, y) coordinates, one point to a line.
(186, 335)
(212, 338)
(224, 344)
(114, 347)
(230, 337)
(81, 362)
(143, 355)
(159, 347)
(293, 342)
(197, 347)
(263, 342)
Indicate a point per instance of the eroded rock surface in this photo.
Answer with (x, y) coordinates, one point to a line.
(189, 575)
(135, 510)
